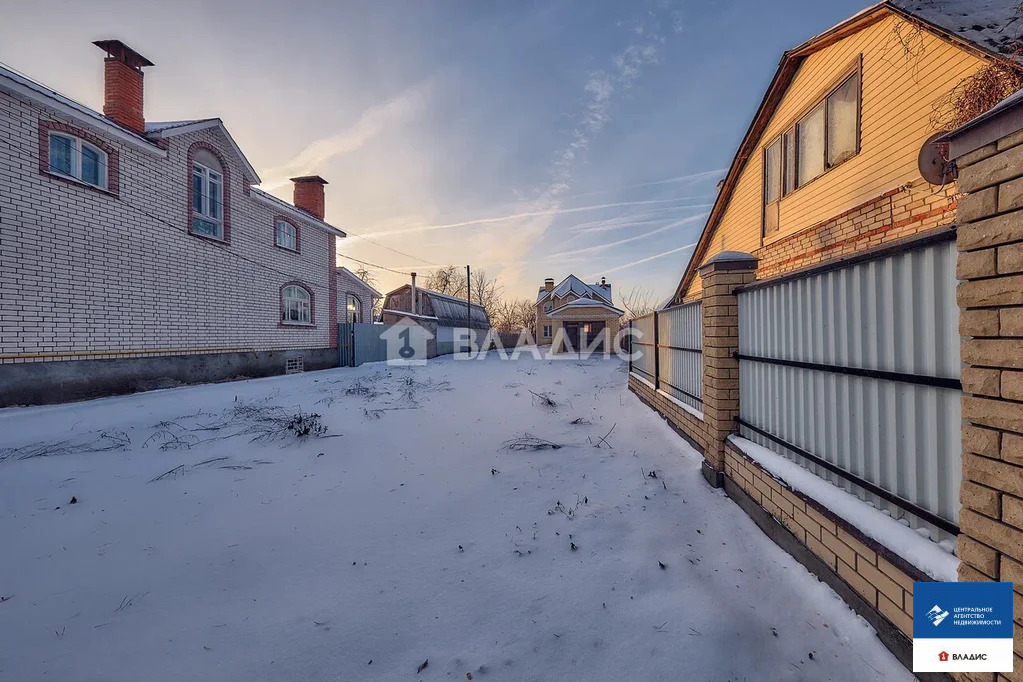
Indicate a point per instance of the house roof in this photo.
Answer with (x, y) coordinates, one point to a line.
(579, 288)
(293, 211)
(20, 84)
(449, 310)
(358, 281)
(161, 131)
(989, 28)
(583, 303)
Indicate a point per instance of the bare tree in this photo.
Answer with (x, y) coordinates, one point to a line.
(366, 276)
(515, 315)
(450, 280)
(637, 302)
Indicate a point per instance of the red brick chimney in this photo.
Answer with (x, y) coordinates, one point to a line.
(309, 194)
(122, 84)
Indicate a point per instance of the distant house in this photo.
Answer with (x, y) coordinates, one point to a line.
(574, 316)
(355, 298)
(439, 313)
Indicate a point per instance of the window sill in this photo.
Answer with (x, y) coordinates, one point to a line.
(297, 325)
(78, 183)
(285, 248)
(209, 238)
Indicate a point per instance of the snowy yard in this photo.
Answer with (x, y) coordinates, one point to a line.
(413, 531)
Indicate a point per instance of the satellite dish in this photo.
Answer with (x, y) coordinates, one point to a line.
(933, 162)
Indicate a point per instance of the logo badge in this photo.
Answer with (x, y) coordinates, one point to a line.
(966, 628)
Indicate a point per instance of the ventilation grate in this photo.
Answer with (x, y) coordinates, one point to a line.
(294, 365)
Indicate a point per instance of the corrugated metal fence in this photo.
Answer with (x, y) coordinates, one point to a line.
(680, 353)
(361, 342)
(643, 361)
(669, 354)
(855, 371)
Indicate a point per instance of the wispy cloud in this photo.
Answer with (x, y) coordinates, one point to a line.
(523, 214)
(372, 122)
(589, 250)
(622, 222)
(642, 260)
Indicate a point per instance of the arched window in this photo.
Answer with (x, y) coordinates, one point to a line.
(208, 196)
(285, 234)
(73, 157)
(296, 305)
(354, 309)
(548, 306)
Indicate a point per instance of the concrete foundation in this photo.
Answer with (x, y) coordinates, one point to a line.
(38, 383)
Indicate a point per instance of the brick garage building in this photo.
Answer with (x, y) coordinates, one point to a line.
(137, 255)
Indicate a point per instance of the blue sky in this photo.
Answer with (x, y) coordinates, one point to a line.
(529, 139)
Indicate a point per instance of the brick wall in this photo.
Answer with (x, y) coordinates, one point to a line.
(678, 417)
(990, 240)
(881, 578)
(90, 275)
(898, 213)
(348, 283)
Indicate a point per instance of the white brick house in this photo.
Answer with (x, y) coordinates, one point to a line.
(355, 298)
(135, 255)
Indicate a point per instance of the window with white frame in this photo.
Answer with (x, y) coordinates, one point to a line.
(547, 331)
(296, 305)
(207, 201)
(286, 235)
(823, 138)
(74, 158)
(548, 306)
(354, 308)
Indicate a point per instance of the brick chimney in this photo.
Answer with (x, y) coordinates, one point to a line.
(122, 84)
(309, 194)
(548, 284)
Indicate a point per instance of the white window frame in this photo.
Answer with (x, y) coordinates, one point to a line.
(292, 236)
(302, 306)
(207, 212)
(349, 299)
(77, 144)
(547, 330)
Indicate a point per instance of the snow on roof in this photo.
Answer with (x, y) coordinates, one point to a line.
(405, 313)
(995, 25)
(585, 303)
(579, 288)
(155, 127)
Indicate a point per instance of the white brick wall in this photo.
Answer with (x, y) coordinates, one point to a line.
(84, 274)
(350, 284)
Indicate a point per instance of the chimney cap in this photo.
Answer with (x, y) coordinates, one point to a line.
(118, 50)
(549, 279)
(309, 178)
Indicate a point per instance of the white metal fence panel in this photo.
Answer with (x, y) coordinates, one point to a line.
(859, 366)
(680, 351)
(643, 347)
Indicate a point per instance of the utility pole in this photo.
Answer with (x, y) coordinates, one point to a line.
(468, 306)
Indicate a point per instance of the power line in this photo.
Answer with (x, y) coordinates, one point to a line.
(382, 267)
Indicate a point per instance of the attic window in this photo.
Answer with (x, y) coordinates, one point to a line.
(72, 157)
(823, 138)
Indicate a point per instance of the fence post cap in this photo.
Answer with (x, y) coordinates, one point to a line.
(731, 260)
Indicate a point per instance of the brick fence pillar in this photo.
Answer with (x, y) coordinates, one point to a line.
(990, 295)
(720, 276)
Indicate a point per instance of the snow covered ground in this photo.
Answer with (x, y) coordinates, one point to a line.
(411, 533)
